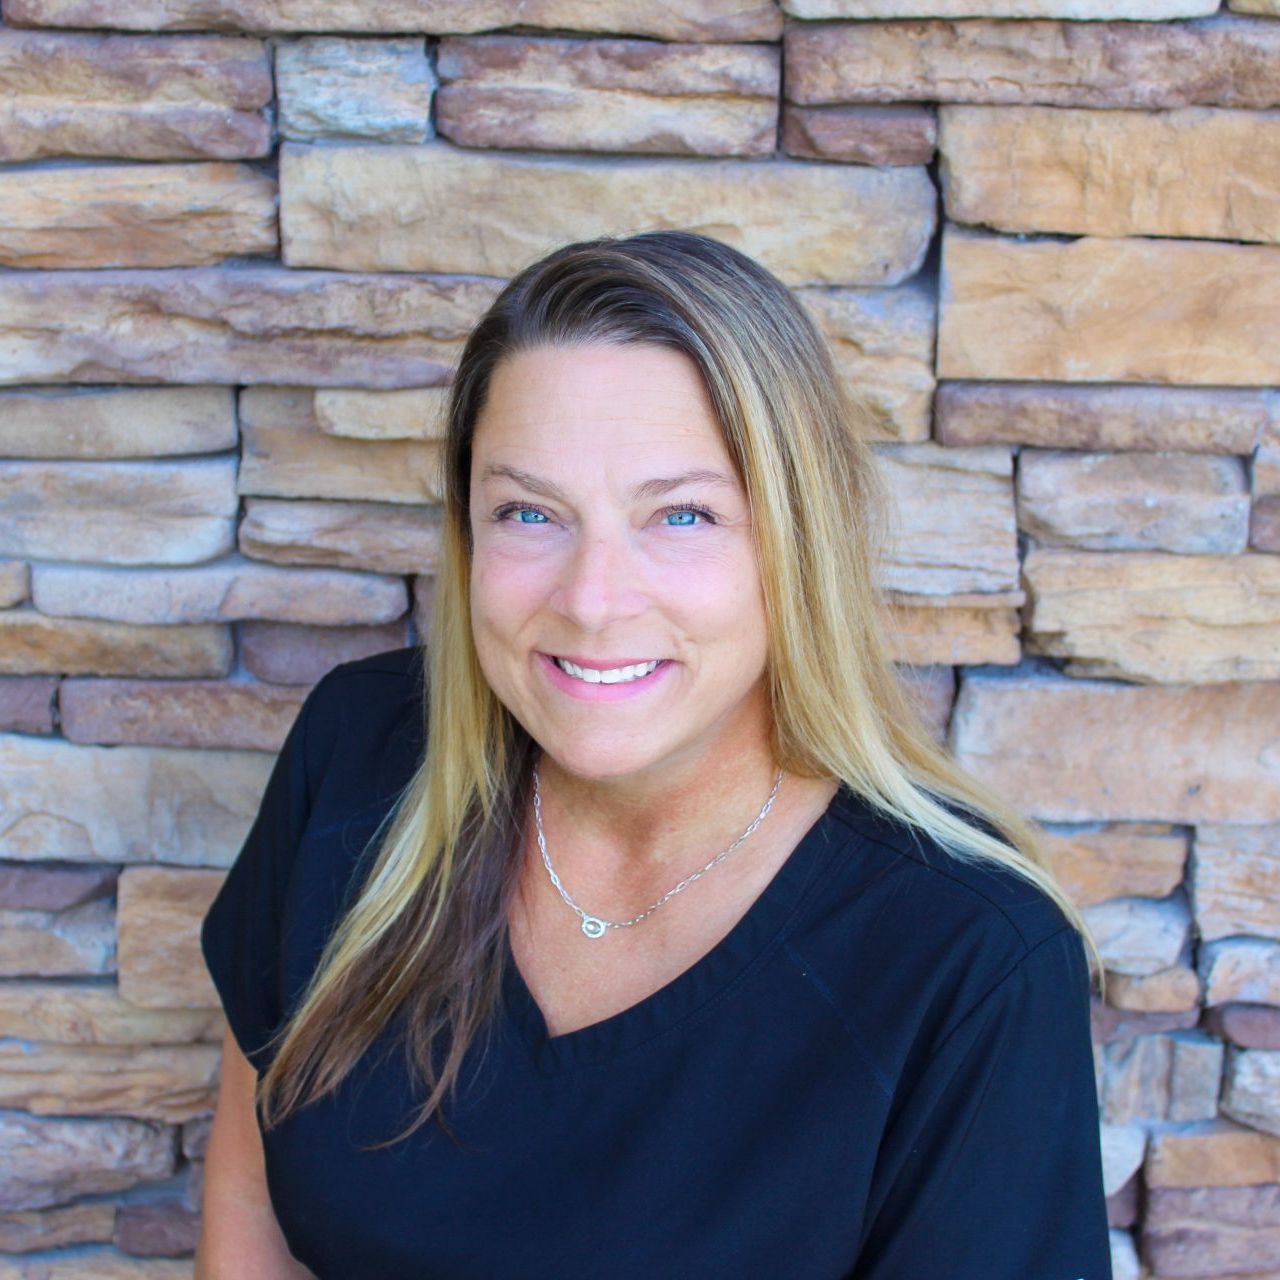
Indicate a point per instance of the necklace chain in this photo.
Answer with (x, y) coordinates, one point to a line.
(596, 926)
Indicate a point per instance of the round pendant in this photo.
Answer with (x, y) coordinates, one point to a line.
(593, 927)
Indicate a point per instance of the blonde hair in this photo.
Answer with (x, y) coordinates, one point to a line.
(424, 938)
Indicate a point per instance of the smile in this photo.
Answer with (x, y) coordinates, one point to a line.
(609, 675)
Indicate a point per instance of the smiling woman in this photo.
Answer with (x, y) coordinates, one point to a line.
(646, 864)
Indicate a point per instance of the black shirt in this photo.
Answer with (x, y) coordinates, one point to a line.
(883, 1070)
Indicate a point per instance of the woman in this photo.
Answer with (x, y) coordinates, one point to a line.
(648, 890)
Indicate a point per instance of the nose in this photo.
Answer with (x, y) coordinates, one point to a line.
(601, 581)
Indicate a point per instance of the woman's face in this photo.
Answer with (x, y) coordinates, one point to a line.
(611, 533)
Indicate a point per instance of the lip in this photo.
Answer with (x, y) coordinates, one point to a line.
(585, 692)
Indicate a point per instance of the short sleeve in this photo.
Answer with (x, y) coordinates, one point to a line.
(991, 1165)
(241, 931)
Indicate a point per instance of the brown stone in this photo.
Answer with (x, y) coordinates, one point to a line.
(255, 324)
(75, 1013)
(15, 583)
(493, 213)
(26, 702)
(1123, 1211)
(215, 714)
(1085, 310)
(1217, 1153)
(51, 886)
(108, 1264)
(424, 598)
(380, 536)
(135, 216)
(1151, 617)
(86, 1223)
(882, 343)
(1264, 528)
(1077, 750)
(1073, 416)
(287, 455)
(168, 98)
(228, 590)
(78, 942)
(932, 689)
(50, 1161)
(286, 654)
(1235, 880)
(1172, 990)
(890, 135)
(1140, 936)
(160, 911)
(1112, 1026)
(1156, 1078)
(195, 1137)
(333, 87)
(1211, 1231)
(1113, 173)
(127, 512)
(120, 422)
(694, 20)
(1251, 1026)
(1222, 61)
(1182, 502)
(546, 93)
(126, 804)
(164, 1228)
(414, 413)
(1122, 861)
(1148, 10)
(31, 644)
(1240, 969)
(954, 513)
(960, 630)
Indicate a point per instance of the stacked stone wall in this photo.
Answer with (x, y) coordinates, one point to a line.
(242, 241)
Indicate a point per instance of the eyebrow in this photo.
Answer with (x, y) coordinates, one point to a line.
(645, 489)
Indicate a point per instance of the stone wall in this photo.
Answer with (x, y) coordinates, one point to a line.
(244, 240)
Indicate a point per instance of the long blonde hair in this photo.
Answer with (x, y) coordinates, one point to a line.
(424, 937)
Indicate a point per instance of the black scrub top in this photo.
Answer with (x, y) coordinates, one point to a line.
(883, 1070)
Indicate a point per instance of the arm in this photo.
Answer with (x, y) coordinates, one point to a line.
(240, 1238)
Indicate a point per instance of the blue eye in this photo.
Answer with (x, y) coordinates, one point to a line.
(537, 517)
(686, 517)
(682, 517)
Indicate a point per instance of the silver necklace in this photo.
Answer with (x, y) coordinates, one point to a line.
(595, 926)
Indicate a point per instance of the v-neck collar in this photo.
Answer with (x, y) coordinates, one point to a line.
(746, 945)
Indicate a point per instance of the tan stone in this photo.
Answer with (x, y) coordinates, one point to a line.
(1113, 173)
(442, 208)
(1270, 7)
(287, 455)
(1067, 416)
(1140, 936)
(26, 702)
(1217, 1153)
(413, 413)
(1240, 969)
(172, 1082)
(890, 135)
(286, 654)
(1123, 1146)
(171, 98)
(85, 1223)
(15, 583)
(423, 589)
(122, 422)
(573, 94)
(953, 513)
(1151, 617)
(1161, 1078)
(1213, 1231)
(1218, 62)
(252, 325)
(1264, 527)
(126, 804)
(1182, 502)
(882, 343)
(160, 908)
(178, 713)
(379, 536)
(1076, 750)
(65, 1013)
(1122, 861)
(1171, 990)
(49, 1161)
(694, 20)
(1251, 1093)
(135, 216)
(108, 1264)
(931, 689)
(1148, 10)
(1085, 310)
(127, 512)
(31, 644)
(78, 942)
(1235, 881)
(228, 590)
(333, 87)
(961, 630)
